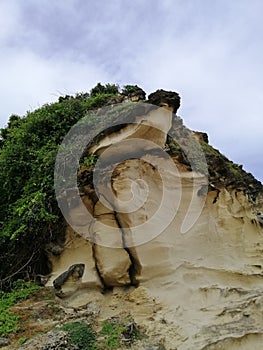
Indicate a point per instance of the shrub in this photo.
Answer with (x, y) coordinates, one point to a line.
(117, 332)
(132, 90)
(112, 332)
(89, 160)
(29, 214)
(82, 335)
(9, 321)
(100, 89)
(30, 218)
(98, 101)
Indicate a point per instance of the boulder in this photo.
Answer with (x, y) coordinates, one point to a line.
(4, 342)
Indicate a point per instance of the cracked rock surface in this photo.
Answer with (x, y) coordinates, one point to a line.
(208, 280)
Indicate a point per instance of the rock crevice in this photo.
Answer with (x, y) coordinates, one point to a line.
(208, 276)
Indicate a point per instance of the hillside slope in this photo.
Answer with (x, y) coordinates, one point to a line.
(160, 227)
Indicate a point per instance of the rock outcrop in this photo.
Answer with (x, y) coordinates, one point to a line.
(177, 218)
(53, 340)
(71, 276)
(4, 342)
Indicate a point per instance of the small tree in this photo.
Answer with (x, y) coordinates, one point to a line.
(133, 90)
(100, 89)
(13, 122)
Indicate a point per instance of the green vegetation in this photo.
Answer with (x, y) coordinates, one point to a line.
(29, 214)
(112, 332)
(98, 101)
(22, 340)
(30, 218)
(82, 335)
(115, 333)
(222, 168)
(108, 89)
(9, 321)
(131, 90)
(181, 142)
(199, 156)
(89, 160)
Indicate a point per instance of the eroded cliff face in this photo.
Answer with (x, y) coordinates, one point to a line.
(188, 247)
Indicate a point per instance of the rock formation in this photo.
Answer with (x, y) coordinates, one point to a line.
(172, 217)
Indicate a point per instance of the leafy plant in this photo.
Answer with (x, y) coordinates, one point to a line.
(22, 340)
(116, 332)
(29, 214)
(100, 89)
(8, 320)
(82, 335)
(131, 90)
(89, 160)
(98, 100)
(112, 332)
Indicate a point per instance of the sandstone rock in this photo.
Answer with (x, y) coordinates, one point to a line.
(53, 340)
(146, 132)
(74, 271)
(201, 136)
(161, 97)
(77, 250)
(195, 246)
(56, 341)
(153, 347)
(113, 266)
(260, 217)
(112, 263)
(55, 249)
(4, 342)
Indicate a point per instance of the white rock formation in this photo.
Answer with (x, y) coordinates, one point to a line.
(208, 280)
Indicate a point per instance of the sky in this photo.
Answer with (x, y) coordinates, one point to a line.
(209, 51)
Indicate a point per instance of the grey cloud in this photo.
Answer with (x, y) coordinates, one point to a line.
(210, 52)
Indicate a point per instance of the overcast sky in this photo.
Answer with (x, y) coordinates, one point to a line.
(210, 51)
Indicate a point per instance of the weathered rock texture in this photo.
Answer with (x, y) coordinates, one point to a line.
(209, 280)
(53, 340)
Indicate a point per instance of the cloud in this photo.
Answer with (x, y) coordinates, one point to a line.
(210, 52)
(30, 81)
(216, 68)
(9, 14)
